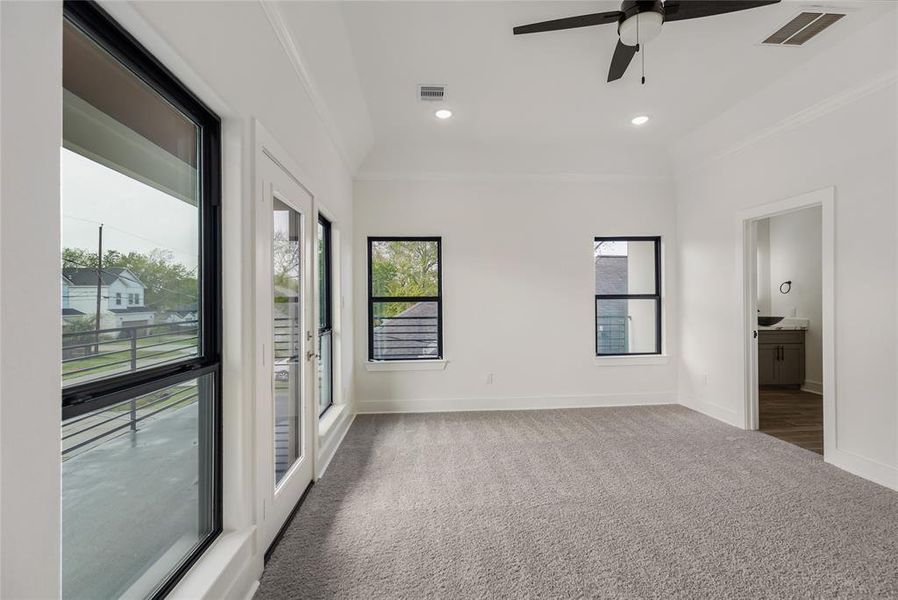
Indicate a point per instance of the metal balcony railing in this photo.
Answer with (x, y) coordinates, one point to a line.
(612, 333)
(90, 355)
(402, 337)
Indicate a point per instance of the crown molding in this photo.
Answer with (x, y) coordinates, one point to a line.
(282, 31)
(475, 177)
(811, 113)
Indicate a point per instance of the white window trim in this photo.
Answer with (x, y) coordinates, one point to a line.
(406, 365)
(630, 361)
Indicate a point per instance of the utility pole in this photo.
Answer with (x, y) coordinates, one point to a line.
(99, 289)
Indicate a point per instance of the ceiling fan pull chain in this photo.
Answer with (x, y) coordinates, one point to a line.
(639, 48)
(643, 66)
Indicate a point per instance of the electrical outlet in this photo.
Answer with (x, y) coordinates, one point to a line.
(793, 312)
(705, 379)
(489, 378)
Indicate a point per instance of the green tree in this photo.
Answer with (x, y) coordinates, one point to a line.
(400, 268)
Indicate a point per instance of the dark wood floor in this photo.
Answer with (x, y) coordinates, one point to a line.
(793, 416)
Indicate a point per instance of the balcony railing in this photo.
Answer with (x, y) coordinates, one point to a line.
(94, 429)
(612, 334)
(90, 355)
(405, 337)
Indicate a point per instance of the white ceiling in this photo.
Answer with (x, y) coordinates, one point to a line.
(531, 100)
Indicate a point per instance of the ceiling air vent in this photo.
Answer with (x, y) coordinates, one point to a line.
(431, 93)
(802, 28)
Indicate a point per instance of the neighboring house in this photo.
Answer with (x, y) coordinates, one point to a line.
(69, 314)
(180, 314)
(121, 297)
(612, 319)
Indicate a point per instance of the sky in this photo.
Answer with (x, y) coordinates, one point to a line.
(611, 249)
(136, 217)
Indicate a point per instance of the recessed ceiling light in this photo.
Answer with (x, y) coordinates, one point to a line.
(640, 120)
(443, 113)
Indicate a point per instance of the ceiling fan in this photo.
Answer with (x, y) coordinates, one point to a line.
(639, 21)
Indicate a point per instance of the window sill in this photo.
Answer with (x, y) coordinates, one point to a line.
(407, 365)
(626, 361)
(329, 418)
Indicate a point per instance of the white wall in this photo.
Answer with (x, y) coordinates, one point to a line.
(241, 69)
(763, 266)
(30, 348)
(519, 286)
(842, 133)
(794, 253)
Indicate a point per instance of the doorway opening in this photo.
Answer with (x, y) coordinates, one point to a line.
(789, 249)
(788, 287)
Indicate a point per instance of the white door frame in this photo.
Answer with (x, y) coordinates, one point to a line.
(273, 506)
(747, 265)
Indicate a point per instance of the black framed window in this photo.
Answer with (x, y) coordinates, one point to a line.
(141, 380)
(405, 303)
(325, 319)
(627, 295)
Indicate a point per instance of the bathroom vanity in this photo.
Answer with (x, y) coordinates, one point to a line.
(781, 357)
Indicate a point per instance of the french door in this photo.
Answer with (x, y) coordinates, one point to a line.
(285, 342)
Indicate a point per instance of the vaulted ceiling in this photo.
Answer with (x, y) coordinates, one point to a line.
(539, 102)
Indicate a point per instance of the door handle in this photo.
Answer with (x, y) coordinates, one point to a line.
(310, 354)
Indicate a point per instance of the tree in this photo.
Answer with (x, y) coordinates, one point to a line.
(400, 268)
(285, 262)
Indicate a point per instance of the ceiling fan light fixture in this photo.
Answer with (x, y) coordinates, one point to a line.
(640, 120)
(443, 114)
(640, 28)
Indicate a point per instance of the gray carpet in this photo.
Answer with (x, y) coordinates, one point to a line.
(642, 502)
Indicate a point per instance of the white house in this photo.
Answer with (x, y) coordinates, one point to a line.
(121, 297)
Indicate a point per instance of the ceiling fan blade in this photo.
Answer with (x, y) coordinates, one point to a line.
(623, 54)
(570, 22)
(680, 10)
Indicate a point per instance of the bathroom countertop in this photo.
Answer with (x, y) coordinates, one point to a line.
(787, 324)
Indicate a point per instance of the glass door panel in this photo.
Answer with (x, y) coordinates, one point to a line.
(287, 312)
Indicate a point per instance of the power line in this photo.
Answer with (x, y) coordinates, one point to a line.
(148, 240)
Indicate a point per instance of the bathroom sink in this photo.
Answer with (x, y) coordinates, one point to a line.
(768, 321)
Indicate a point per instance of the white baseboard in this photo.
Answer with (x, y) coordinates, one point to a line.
(877, 472)
(715, 411)
(332, 442)
(814, 387)
(514, 403)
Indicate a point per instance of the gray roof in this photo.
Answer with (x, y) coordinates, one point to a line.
(413, 333)
(108, 275)
(71, 312)
(131, 309)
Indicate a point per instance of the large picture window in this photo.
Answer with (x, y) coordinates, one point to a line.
(140, 306)
(628, 295)
(404, 298)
